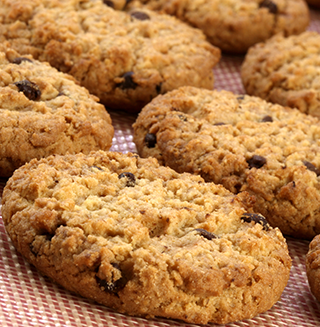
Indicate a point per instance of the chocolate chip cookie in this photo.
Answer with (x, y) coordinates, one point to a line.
(243, 143)
(285, 71)
(44, 112)
(125, 59)
(235, 25)
(144, 240)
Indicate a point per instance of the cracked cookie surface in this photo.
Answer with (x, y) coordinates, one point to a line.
(125, 59)
(235, 25)
(243, 143)
(43, 112)
(285, 71)
(144, 240)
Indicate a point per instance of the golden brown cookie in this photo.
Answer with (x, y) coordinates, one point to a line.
(44, 112)
(235, 25)
(125, 59)
(243, 143)
(285, 71)
(313, 266)
(144, 240)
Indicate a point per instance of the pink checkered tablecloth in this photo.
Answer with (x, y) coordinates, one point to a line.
(29, 299)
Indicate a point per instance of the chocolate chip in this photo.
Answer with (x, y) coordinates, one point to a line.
(150, 140)
(158, 88)
(29, 89)
(19, 60)
(219, 124)
(267, 119)
(99, 168)
(240, 97)
(128, 82)
(256, 161)
(182, 117)
(112, 286)
(257, 218)
(311, 167)
(204, 233)
(140, 15)
(273, 8)
(108, 3)
(131, 179)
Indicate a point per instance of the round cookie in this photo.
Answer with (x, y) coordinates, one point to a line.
(125, 59)
(313, 266)
(285, 71)
(44, 112)
(144, 240)
(243, 143)
(236, 25)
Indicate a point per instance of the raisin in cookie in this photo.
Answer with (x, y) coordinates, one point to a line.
(313, 266)
(144, 240)
(125, 59)
(235, 25)
(43, 111)
(285, 71)
(243, 143)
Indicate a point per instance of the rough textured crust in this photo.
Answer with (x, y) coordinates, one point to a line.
(43, 112)
(285, 71)
(313, 266)
(125, 59)
(235, 25)
(243, 143)
(145, 240)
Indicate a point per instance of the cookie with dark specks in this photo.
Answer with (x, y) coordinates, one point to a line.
(44, 112)
(285, 71)
(235, 25)
(243, 143)
(144, 240)
(125, 59)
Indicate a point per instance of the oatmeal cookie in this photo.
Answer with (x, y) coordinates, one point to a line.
(125, 59)
(144, 240)
(243, 143)
(313, 266)
(235, 25)
(43, 111)
(285, 71)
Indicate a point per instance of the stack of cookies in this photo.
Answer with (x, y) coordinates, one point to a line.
(191, 227)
